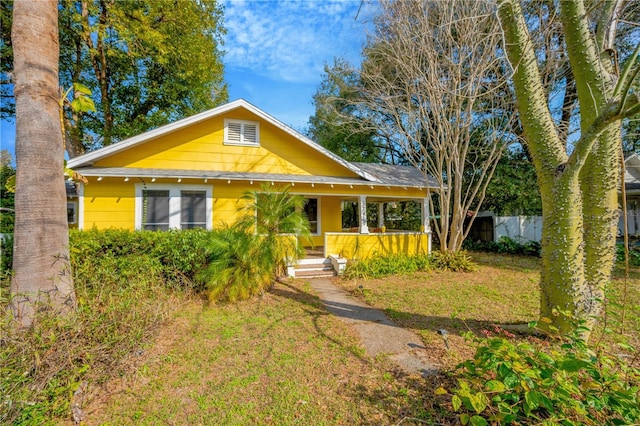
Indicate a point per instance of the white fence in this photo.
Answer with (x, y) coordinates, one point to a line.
(518, 228)
(529, 228)
(633, 222)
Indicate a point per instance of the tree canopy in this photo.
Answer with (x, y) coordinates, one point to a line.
(145, 63)
(335, 124)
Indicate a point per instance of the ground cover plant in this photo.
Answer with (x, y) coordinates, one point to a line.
(395, 264)
(127, 284)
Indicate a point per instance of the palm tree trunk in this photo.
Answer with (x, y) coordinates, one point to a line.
(42, 275)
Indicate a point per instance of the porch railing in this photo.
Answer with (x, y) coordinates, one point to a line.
(363, 246)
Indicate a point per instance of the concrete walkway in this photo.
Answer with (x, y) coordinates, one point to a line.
(379, 334)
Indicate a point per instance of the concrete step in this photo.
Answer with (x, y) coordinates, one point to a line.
(314, 273)
(309, 268)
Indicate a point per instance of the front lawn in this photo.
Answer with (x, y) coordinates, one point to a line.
(504, 291)
(280, 359)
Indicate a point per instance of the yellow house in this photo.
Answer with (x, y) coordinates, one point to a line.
(192, 172)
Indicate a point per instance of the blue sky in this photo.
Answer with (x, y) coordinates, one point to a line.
(276, 51)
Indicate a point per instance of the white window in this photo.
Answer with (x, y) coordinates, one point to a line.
(72, 213)
(164, 207)
(312, 212)
(241, 132)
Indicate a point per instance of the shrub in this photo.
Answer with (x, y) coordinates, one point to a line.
(383, 266)
(454, 261)
(246, 257)
(562, 382)
(505, 245)
(634, 254)
(6, 250)
(180, 254)
(240, 266)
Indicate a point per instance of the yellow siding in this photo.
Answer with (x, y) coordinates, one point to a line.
(200, 147)
(109, 204)
(357, 246)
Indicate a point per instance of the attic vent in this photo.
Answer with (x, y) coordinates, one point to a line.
(237, 132)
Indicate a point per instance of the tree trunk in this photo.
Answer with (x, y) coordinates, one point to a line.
(42, 274)
(578, 189)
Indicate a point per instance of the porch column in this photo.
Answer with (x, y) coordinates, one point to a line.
(380, 215)
(426, 222)
(362, 204)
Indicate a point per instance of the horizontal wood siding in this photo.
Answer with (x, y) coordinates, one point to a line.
(364, 246)
(109, 204)
(201, 147)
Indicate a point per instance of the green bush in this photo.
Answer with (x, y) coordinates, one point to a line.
(634, 254)
(505, 245)
(246, 257)
(180, 254)
(239, 268)
(121, 298)
(454, 261)
(383, 266)
(542, 382)
(6, 248)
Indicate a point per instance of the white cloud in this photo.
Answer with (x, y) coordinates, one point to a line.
(291, 40)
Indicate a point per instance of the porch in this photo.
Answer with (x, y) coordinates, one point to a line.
(341, 247)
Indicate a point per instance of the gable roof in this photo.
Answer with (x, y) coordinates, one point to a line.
(88, 159)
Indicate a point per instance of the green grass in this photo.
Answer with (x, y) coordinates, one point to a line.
(280, 359)
(503, 291)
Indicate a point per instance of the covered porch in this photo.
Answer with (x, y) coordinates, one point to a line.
(382, 226)
(376, 230)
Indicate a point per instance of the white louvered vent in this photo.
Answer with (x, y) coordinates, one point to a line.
(238, 132)
(250, 133)
(234, 132)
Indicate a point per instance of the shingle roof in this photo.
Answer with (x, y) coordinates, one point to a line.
(387, 175)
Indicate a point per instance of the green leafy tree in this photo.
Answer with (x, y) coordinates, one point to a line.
(7, 173)
(146, 63)
(578, 183)
(631, 136)
(7, 105)
(335, 124)
(513, 190)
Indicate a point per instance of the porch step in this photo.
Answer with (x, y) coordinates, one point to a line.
(314, 268)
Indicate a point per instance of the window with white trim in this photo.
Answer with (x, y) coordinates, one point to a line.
(72, 212)
(312, 213)
(193, 209)
(155, 210)
(164, 207)
(241, 132)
